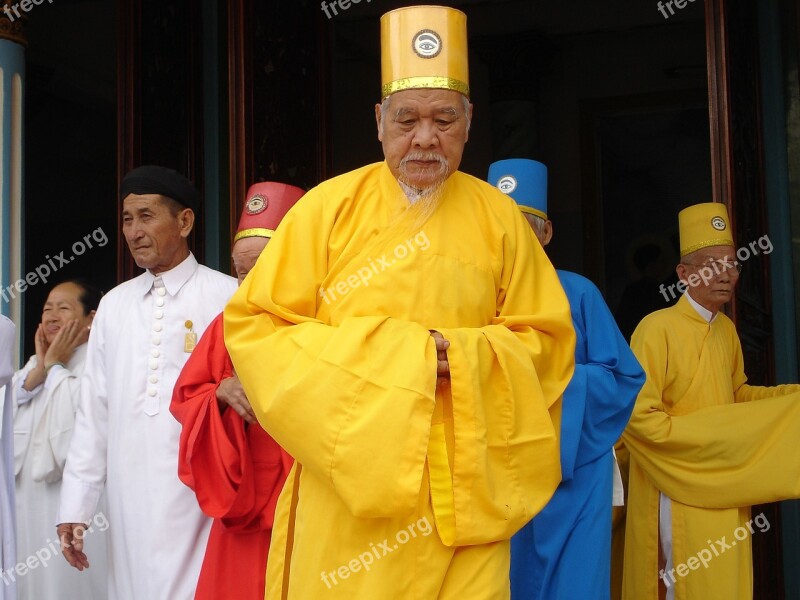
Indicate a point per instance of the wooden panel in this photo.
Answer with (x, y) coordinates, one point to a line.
(736, 133)
(128, 139)
(240, 103)
(160, 98)
(278, 95)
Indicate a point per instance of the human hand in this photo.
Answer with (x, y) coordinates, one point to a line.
(69, 337)
(37, 374)
(41, 345)
(231, 393)
(71, 537)
(442, 363)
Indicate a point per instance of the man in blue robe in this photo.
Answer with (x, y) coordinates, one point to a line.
(565, 551)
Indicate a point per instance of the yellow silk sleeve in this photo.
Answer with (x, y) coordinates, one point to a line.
(747, 393)
(356, 403)
(351, 403)
(722, 456)
(506, 384)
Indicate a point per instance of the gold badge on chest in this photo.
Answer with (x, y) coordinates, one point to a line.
(190, 339)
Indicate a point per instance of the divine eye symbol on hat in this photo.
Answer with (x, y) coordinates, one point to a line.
(257, 204)
(718, 223)
(507, 184)
(427, 44)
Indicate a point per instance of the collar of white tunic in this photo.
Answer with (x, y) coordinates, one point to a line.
(701, 310)
(173, 279)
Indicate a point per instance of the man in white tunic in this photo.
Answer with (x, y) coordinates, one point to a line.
(46, 394)
(8, 587)
(125, 436)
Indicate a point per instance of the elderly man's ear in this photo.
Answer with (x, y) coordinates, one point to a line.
(378, 121)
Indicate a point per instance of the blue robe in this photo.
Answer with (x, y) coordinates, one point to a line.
(564, 553)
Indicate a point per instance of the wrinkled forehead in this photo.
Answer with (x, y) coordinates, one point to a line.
(136, 202)
(423, 100)
(715, 253)
(65, 292)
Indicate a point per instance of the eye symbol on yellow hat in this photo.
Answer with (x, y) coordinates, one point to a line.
(257, 204)
(507, 184)
(718, 223)
(427, 44)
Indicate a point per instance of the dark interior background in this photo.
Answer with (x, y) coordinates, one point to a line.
(70, 146)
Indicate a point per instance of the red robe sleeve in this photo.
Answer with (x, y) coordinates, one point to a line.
(236, 470)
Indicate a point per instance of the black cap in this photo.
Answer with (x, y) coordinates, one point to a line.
(152, 179)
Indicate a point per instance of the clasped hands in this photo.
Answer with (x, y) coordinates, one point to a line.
(442, 363)
(231, 393)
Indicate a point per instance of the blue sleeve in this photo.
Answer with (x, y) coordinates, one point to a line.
(599, 399)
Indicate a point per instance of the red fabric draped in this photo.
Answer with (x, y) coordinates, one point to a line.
(236, 470)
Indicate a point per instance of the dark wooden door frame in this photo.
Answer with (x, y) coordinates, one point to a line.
(242, 167)
(131, 122)
(738, 181)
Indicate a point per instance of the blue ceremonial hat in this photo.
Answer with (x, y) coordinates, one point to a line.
(524, 180)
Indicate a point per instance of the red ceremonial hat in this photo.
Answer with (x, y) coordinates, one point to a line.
(266, 204)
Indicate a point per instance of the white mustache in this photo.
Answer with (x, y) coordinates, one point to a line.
(424, 156)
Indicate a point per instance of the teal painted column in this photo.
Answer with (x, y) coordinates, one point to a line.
(216, 234)
(12, 86)
(776, 163)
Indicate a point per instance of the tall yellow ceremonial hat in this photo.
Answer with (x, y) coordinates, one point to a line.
(424, 47)
(704, 225)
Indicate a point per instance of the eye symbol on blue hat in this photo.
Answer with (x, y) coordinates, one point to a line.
(427, 43)
(507, 184)
(718, 223)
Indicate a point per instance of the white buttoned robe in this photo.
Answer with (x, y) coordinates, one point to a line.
(126, 438)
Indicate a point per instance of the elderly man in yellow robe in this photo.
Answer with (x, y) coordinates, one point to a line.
(704, 445)
(406, 340)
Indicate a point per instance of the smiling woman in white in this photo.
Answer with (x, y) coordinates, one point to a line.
(46, 395)
(125, 438)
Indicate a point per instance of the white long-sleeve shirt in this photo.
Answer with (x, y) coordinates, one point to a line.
(126, 439)
(44, 417)
(44, 420)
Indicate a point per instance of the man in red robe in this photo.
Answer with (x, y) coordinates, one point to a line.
(234, 467)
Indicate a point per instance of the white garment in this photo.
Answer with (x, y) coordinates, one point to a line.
(126, 437)
(617, 490)
(664, 502)
(8, 557)
(44, 419)
(665, 533)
